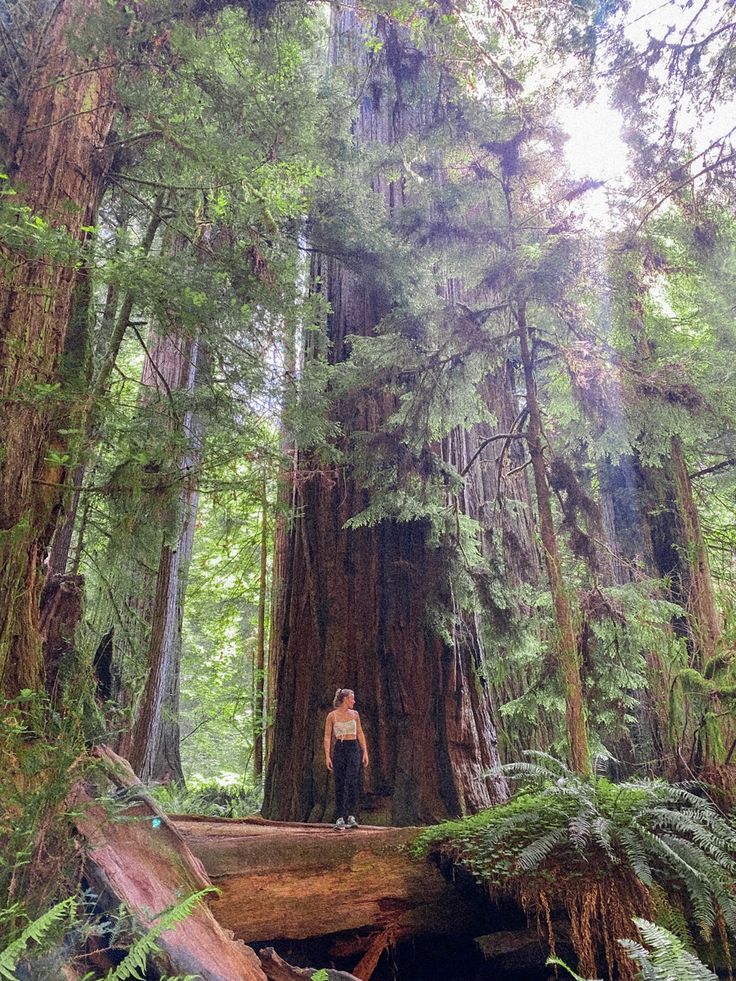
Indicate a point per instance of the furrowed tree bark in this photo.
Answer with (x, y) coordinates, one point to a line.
(354, 613)
(58, 165)
(568, 656)
(355, 605)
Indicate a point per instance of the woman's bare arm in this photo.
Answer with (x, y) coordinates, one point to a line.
(361, 740)
(328, 739)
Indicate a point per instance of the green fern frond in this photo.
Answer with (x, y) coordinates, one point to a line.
(35, 931)
(134, 963)
(556, 962)
(667, 958)
(536, 851)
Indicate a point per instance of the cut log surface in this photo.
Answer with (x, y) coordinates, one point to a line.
(138, 855)
(282, 880)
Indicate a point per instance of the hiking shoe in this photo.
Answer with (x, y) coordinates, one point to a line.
(352, 823)
(340, 824)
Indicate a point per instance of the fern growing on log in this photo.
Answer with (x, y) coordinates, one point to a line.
(134, 963)
(596, 849)
(667, 956)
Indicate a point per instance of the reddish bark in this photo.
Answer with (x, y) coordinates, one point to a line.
(143, 861)
(354, 612)
(57, 134)
(354, 608)
(294, 881)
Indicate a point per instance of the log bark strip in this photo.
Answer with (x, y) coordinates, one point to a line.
(293, 881)
(140, 857)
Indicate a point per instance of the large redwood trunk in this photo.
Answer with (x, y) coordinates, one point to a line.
(355, 611)
(357, 608)
(58, 164)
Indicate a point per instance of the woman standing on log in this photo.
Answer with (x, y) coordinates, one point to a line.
(344, 724)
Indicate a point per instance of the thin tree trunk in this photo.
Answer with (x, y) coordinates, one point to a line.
(174, 366)
(568, 656)
(260, 667)
(118, 324)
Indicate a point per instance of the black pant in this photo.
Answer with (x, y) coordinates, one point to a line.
(346, 761)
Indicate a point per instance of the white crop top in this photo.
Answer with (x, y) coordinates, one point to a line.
(343, 729)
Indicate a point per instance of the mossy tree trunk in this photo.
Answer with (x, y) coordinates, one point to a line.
(58, 164)
(568, 655)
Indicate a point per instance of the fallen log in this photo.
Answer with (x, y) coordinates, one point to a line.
(281, 880)
(135, 854)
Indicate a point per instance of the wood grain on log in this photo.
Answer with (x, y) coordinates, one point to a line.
(140, 857)
(292, 881)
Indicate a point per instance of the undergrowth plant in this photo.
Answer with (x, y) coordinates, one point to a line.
(664, 958)
(598, 849)
(133, 965)
(213, 799)
(35, 932)
(43, 752)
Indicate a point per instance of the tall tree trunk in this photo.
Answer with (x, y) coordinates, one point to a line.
(356, 606)
(155, 752)
(58, 164)
(260, 665)
(568, 655)
(285, 503)
(355, 612)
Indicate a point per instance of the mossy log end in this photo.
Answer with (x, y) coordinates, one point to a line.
(282, 880)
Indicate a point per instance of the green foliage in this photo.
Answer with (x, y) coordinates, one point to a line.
(665, 956)
(567, 825)
(134, 963)
(43, 755)
(620, 625)
(35, 931)
(219, 799)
